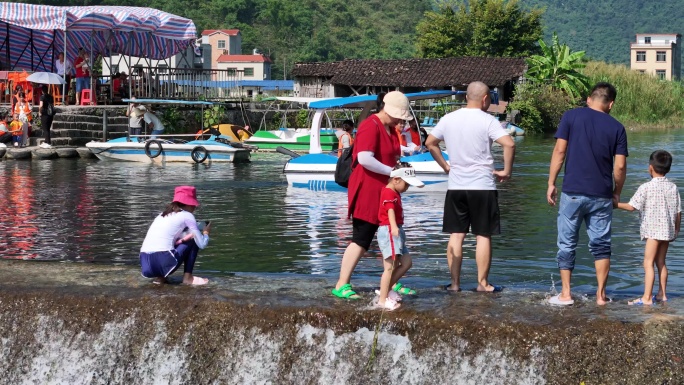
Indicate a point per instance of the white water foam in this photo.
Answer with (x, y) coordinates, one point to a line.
(440, 363)
(87, 359)
(291, 354)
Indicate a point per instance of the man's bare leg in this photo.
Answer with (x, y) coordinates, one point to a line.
(350, 259)
(455, 259)
(602, 270)
(483, 258)
(566, 276)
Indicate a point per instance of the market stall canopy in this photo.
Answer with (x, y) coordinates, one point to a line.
(31, 35)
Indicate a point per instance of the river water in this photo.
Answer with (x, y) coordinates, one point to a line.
(77, 211)
(74, 309)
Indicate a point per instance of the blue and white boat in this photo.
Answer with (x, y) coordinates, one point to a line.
(315, 171)
(169, 148)
(213, 149)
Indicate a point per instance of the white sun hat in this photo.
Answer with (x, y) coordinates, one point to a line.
(408, 174)
(397, 105)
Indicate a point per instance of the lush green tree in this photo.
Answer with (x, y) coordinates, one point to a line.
(479, 28)
(559, 67)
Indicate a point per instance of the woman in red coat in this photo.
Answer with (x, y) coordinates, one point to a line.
(376, 149)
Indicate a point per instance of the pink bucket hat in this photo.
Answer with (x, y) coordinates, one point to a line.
(186, 195)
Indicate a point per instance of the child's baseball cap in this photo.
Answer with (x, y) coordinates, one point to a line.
(408, 174)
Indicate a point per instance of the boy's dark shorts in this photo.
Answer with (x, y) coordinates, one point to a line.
(477, 210)
(363, 232)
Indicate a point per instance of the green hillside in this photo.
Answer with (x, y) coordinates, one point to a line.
(606, 28)
(323, 30)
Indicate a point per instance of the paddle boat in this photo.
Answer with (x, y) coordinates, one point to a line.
(172, 148)
(315, 170)
(161, 150)
(293, 139)
(513, 130)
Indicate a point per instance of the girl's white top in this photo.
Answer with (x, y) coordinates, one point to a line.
(63, 67)
(164, 232)
(658, 203)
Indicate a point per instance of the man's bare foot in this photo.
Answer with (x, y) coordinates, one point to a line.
(602, 300)
(159, 280)
(196, 281)
(489, 288)
(662, 298)
(452, 287)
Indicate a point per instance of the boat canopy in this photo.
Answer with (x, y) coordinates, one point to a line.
(366, 102)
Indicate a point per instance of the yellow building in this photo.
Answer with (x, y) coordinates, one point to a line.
(657, 54)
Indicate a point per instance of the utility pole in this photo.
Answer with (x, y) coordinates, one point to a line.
(284, 68)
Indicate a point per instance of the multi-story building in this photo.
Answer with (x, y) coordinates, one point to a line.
(253, 67)
(221, 42)
(657, 54)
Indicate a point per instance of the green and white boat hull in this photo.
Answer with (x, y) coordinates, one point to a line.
(298, 140)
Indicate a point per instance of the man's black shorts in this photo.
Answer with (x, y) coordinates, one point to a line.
(477, 210)
(363, 232)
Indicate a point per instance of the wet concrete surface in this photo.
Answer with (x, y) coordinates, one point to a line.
(520, 338)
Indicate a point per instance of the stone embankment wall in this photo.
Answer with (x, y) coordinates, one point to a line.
(78, 125)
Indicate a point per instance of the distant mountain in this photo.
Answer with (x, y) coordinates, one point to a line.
(605, 28)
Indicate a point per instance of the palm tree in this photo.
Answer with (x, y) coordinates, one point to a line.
(559, 67)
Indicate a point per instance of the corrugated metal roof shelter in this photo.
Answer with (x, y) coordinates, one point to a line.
(31, 35)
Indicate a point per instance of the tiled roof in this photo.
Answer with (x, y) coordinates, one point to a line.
(424, 73)
(229, 32)
(243, 58)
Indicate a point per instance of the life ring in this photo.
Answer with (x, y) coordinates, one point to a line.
(147, 148)
(199, 154)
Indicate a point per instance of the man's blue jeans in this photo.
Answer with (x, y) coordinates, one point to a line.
(596, 213)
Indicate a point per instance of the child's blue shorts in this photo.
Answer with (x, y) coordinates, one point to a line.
(396, 247)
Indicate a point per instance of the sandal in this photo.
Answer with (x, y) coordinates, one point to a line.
(393, 295)
(403, 290)
(389, 305)
(345, 292)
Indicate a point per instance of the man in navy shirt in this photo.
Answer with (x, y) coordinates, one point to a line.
(593, 146)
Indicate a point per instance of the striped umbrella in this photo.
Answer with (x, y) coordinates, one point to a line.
(31, 35)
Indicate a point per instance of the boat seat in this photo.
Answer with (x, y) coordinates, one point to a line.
(425, 121)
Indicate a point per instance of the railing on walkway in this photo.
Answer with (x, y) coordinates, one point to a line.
(144, 82)
(180, 83)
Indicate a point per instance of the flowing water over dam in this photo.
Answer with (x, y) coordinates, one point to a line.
(75, 310)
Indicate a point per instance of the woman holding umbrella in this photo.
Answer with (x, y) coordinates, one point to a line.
(46, 113)
(46, 108)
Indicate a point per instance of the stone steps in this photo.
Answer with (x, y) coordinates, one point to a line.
(79, 129)
(88, 126)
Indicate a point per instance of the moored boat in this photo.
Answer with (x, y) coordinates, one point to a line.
(214, 149)
(293, 139)
(315, 171)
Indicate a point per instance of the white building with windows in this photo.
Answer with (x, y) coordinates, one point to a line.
(656, 54)
(253, 67)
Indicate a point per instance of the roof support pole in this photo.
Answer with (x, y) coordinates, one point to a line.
(7, 52)
(65, 97)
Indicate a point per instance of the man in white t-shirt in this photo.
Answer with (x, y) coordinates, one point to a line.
(471, 201)
(154, 124)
